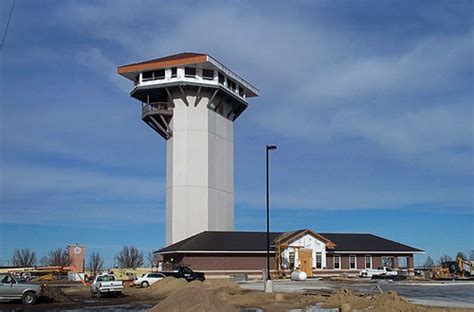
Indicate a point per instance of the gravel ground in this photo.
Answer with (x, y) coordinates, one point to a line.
(455, 294)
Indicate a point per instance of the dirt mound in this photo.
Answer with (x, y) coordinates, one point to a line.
(345, 300)
(222, 286)
(221, 283)
(55, 294)
(192, 298)
(344, 295)
(390, 301)
(168, 285)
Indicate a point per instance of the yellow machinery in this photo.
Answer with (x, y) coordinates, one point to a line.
(465, 267)
(454, 269)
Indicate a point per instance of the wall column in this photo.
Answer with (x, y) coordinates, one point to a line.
(410, 266)
(395, 262)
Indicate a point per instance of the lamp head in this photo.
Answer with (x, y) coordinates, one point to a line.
(271, 147)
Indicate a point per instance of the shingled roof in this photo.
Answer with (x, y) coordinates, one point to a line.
(255, 242)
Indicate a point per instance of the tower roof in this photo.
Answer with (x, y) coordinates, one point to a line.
(131, 71)
(184, 58)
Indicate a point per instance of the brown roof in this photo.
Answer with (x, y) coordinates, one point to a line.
(167, 61)
(256, 242)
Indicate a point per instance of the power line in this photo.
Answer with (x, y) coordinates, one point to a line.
(8, 24)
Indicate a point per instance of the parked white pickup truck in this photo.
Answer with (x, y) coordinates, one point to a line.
(381, 271)
(106, 284)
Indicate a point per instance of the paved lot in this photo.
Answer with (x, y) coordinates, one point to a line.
(447, 294)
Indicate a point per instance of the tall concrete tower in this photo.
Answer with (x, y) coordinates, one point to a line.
(192, 100)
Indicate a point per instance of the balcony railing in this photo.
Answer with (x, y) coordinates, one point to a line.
(163, 108)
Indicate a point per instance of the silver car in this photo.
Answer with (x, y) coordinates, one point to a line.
(11, 288)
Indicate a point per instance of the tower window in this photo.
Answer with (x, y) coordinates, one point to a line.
(153, 75)
(241, 91)
(190, 72)
(208, 74)
(231, 84)
(159, 74)
(221, 78)
(148, 75)
(174, 72)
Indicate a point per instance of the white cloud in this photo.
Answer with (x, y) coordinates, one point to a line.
(319, 84)
(322, 83)
(44, 194)
(94, 59)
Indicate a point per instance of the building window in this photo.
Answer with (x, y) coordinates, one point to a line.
(387, 262)
(153, 75)
(190, 72)
(174, 72)
(231, 84)
(208, 74)
(368, 262)
(319, 260)
(241, 91)
(291, 258)
(221, 78)
(352, 262)
(337, 262)
(148, 75)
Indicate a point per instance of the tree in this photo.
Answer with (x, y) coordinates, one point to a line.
(95, 263)
(44, 261)
(387, 261)
(153, 259)
(23, 258)
(462, 255)
(59, 257)
(444, 259)
(129, 257)
(429, 263)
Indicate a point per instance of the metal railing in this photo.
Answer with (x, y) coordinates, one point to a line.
(157, 107)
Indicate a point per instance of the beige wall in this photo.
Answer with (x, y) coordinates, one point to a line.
(200, 171)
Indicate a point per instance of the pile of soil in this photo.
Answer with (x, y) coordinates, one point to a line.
(345, 296)
(192, 299)
(55, 294)
(167, 285)
(390, 301)
(345, 300)
(224, 292)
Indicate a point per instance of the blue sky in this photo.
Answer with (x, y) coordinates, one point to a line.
(369, 102)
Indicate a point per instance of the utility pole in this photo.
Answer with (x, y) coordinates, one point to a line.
(268, 149)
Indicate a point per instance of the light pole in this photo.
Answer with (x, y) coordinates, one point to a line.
(268, 149)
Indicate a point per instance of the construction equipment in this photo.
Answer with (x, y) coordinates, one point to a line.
(466, 267)
(454, 269)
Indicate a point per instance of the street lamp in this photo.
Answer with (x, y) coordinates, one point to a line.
(268, 149)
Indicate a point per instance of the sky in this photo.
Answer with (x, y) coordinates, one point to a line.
(369, 102)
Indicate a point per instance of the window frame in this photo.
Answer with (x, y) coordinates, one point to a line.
(241, 91)
(320, 254)
(231, 84)
(175, 74)
(338, 257)
(365, 261)
(350, 262)
(208, 77)
(186, 75)
(220, 78)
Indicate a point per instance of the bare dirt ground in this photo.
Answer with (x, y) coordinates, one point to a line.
(217, 296)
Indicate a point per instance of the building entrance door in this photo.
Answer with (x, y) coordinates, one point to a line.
(306, 260)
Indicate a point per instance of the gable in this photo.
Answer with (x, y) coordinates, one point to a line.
(288, 237)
